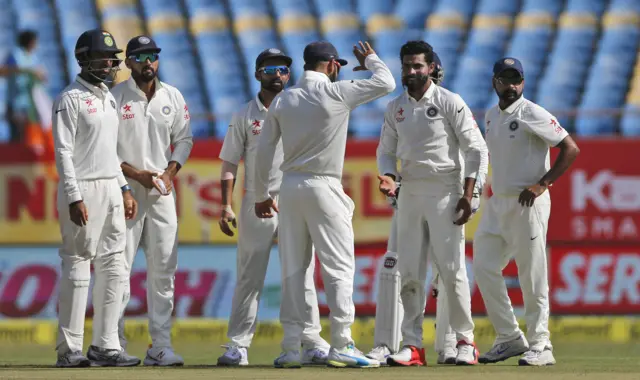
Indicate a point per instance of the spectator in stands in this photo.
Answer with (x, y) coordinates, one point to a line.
(20, 66)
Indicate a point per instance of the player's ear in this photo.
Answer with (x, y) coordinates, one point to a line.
(258, 76)
(127, 62)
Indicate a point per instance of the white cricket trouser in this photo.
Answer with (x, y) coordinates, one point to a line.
(100, 242)
(255, 240)
(155, 229)
(508, 230)
(426, 219)
(315, 211)
(445, 336)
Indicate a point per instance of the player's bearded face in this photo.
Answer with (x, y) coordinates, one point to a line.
(415, 72)
(509, 86)
(144, 72)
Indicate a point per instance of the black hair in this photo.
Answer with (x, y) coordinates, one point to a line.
(26, 37)
(415, 48)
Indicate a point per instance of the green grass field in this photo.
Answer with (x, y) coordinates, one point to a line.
(575, 361)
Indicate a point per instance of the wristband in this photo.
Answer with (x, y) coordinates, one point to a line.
(125, 188)
(227, 208)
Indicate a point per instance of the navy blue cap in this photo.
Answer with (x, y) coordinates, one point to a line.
(96, 40)
(272, 53)
(142, 44)
(508, 63)
(320, 51)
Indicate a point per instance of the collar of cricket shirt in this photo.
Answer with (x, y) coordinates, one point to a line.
(134, 87)
(314, 75)
(261, 106)
(427, 94)
(513, 107)
(100, 90)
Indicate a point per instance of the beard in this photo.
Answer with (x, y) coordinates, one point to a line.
(509, 95)
(415, 82)
(274, 85)
(147, 74)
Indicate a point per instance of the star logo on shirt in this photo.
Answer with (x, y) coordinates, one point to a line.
(256, 123)
(127, 108)
(89, 102)
(556, 127)
(256, 127)
(399, 115)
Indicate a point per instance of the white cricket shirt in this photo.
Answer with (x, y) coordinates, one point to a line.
(312, 118)
(148, 129)
(435, 138)
(85, 133)
(519, 139)
(241, 141)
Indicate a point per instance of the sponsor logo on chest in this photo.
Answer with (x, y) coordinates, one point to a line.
(127, 113)
(256, 127)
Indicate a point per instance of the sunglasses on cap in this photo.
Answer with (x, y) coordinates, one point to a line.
(142, 57)
(272, 70)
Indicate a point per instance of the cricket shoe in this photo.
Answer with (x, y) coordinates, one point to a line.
(163, 357)
(234, 356)
(408, 356)
(101, 357)
(467, 353)
(538, 358)
(72, 359)
(350, 356)
(289, 359)
(503, 351)
(315, 356)
(380, 353)
(448, 356)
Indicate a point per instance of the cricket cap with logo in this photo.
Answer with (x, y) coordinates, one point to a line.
(96, 40)
(272, 53)
(508, 63)
(141, 44)
(322, 51)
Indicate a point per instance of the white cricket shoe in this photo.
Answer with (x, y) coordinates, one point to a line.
(538, 358)
(72, 359)
(379, 353)
(503, 351)
(467, 354)
(289, 359)
(234, 356)
(315, 356)
(163, 357)
(448, 356)
(350, 356)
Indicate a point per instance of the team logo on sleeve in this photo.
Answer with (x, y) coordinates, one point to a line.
(432, 111)
(400, 115)
(390, 262)
(556, 127)
(513, 126)
(166, 110)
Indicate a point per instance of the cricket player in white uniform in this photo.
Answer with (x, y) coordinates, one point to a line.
(93, 201)
(256, 235)
(388, 318)
(153, 118)
(312, 120)
(433, 133)
(514, 223)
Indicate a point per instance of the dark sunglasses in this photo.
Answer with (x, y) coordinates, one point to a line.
(272, 70)
(506, 81)
(142, 57)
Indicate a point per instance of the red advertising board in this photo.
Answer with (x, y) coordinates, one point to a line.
(598, 198)
(595, 280)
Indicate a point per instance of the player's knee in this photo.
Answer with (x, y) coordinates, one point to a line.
(111, 265)
(76, 271)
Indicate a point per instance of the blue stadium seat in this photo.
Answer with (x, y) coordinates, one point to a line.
(153, 8)
(325, 7)
(462, 7)
(75, 16)
(368, 8)
(542, 6)
(294, 44)
(497, 7)
(596, 7)
(590, 123)
(195, 7)
(289, 7)
(624, 6)
(414, 13)
(630, 122)
(248, 7)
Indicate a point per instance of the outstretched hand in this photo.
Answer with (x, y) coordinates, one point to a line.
(361, 55)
